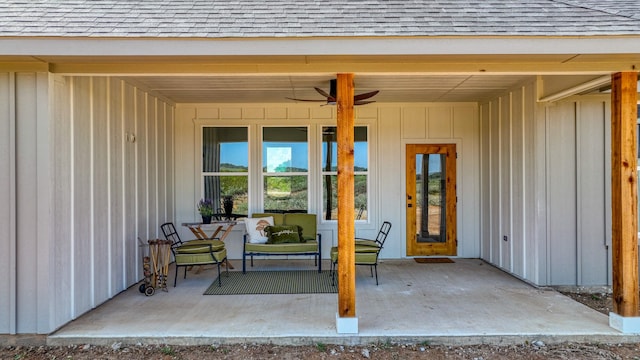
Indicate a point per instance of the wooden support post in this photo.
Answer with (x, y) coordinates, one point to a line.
(346, 200)
(624, 195)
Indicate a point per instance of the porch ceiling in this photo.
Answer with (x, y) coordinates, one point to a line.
(276, 88)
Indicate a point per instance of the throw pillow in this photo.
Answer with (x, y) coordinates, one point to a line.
(256, 229)
(283, 234)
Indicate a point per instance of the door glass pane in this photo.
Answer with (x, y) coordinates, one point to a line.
(430, 198)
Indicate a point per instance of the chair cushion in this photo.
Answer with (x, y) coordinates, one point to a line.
(366, 249)
(200, 246)
(200, 258)
(366, 242)
(256, 228)
(286, 248)
(283, 234)
(306, 221)
(364, 255)
(366, 258)
(334, 254)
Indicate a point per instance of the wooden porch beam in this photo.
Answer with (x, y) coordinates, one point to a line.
(346, 216)
(624, 195)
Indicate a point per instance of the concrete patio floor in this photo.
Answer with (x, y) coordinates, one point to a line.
(461, 303)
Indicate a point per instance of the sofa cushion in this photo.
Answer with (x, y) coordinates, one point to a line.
(306, 221)
(278, 219)
(282, 249)
(283, 234)
(256, 229)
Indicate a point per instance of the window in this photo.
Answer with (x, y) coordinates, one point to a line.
(285, 168)
(225, 166)
(329, 173)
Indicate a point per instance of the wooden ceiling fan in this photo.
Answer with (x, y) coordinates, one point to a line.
(360, 99)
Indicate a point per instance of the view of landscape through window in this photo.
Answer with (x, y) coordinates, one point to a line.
(284, 166)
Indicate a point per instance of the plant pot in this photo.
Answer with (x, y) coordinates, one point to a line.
(206, 219)
(227, 204)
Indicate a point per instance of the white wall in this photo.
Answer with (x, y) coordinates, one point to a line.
(84, 191)
(578, 183)
(545, 180)
(25, 169)
(508, 173)
(391, 126)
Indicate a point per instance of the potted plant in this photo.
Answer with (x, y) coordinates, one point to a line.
(205, 208)
(227, 205)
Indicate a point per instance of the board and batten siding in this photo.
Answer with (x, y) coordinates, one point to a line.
(545, 179)
(25, 173)
(88, 154)
(578, 181)
(508, 206)
(449, 123)
(391, 127)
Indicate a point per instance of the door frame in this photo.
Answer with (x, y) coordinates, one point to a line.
(450, 247)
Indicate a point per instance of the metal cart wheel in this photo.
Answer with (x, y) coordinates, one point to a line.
(149, 291)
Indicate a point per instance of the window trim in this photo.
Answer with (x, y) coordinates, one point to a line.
(200, 160)
(261, 167)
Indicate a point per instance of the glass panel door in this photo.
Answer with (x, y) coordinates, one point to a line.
(431, 199)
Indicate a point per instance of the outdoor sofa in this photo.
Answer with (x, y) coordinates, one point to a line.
(300, 236)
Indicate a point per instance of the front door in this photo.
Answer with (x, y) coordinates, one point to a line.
(431, 199)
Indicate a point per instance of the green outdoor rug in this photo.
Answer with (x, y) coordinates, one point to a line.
(273, 282)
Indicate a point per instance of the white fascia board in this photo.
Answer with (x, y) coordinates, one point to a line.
(319, 46)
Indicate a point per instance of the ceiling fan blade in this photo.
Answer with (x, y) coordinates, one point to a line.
(324, 93)
(294, 99)
(365, 95)
(361, 102)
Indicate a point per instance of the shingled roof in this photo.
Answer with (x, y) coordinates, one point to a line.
(315, 18)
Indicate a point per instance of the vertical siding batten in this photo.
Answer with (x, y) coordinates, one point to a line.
(8, 196)
(100, 192)
(509, 203)
(159, 166)
(92, 179)
(578, 190)
(500, 183)
(518, 184)
(485, 175)
(13, 231)
(44, 159)
(607, 192)
(531, 258)
(72, 257)
(62, 253)
(547, 154)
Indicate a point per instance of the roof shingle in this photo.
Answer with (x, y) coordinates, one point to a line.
(316, 18)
